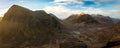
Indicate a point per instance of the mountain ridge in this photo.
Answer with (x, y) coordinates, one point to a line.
(24, 28)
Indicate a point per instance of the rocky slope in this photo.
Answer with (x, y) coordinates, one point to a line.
(113, 36)
(93, 30)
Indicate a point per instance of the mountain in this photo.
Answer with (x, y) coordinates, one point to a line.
(103, 19)
(86, 18)
(106, 38)
(95, 31)
(23, 28)
(81, 20)
(116, 20)
(17, 14)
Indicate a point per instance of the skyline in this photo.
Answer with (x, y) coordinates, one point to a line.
(64, 8)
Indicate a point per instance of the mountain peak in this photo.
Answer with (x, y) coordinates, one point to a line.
(86, 18)
(17, 7)
(16, 12)
(81, 14)
(36, 28)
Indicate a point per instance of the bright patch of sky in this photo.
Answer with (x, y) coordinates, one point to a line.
(64, 8)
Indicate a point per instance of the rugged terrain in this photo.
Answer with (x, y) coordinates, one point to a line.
(24, 28)
(95, 30)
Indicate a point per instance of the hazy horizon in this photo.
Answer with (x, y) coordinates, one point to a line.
(64, 8)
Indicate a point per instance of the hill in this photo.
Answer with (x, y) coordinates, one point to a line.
(23, 28)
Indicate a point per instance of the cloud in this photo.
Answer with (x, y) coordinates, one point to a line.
(103, 0)
(82, 2)
(105, 7)
(114, 14)
(2, 11)
(68, 1)
(60, 11)
(63, 12)
(22, 1)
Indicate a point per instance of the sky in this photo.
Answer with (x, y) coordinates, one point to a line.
(65, 8)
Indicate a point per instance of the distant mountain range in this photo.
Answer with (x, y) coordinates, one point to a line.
(24, 28)
(86, 19)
